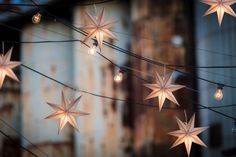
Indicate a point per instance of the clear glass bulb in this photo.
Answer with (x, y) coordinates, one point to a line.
(118, 77)
(36, 18)
(92, 50)
(219, 94)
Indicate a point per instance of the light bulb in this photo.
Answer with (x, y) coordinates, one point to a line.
(92, 50)
(36, 18)
(219, 94)
(118, 77)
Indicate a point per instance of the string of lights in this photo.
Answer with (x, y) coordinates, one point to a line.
(217, 83)
(102, 95)
(130, 53)
(117, 99)
(93, 47)
(146, 38)
(114, 98)
(118, 77)
(37, 16)
(159, 64)
(137, 77)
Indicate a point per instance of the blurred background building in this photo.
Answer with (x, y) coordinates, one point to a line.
(170, 31)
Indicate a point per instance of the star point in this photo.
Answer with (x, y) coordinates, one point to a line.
(98, 28)
(66, 112)
(220, 7)
(163, 89)
(187, 134)
(6, 67)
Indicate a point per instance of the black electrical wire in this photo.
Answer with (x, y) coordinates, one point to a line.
(222, 106)
(56, 5)
(12, 128)
(74, 40)
(169, 43)
(77, 40)
(117, 99)
(137, 56)
(131, 53)
(223, 114)
(162, 42)
(119, 49)
(97, 94)
(149, 61)
(18, 144)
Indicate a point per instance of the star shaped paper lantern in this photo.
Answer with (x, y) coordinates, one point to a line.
(6, 67)
(98, 28)
(163, 90)
(66, 112)
(221, 7)
(188, 134)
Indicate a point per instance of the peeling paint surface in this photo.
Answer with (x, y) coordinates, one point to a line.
(56, 62)
(101, 132)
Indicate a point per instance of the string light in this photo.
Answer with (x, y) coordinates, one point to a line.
(36, 18)
(219, 93)
(119, 76)
(92, 49)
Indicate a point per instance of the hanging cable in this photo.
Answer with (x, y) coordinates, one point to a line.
(176, 70)
(169, 43)
(12, 128)
(162, 42)
(12, 140)
(137, 56)
(77, 40)
(159, 64)
(100, 95)
(56, 5)
(116, 99)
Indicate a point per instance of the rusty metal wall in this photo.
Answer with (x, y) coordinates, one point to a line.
(157, 25)
(101, 132)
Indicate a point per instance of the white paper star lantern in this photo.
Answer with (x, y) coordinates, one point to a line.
(163, 89)
(221, 7)
(187, 134)
(98, 28)
(6, 67)
(66, 112)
